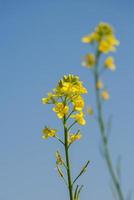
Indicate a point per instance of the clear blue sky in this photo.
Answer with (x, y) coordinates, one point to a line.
(40, 41)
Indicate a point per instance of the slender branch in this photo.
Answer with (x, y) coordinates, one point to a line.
(75, 193)
(61, 175)
(102, 127)
(81, 172)
(71, 125)
(60, 140)
(78, 194)
(70, 114)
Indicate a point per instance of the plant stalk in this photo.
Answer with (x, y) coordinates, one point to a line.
(70, 186)
(104, 137)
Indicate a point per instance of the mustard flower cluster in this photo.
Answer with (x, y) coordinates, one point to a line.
(104, 41)
(67, 100)
(104, 37)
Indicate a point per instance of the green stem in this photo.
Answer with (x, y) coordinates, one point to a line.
(81, 172)
(70, 186)
(104, 137)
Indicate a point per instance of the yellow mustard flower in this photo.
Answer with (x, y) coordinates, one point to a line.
(78, 103)
(73, 137)
(45, 100)
(108, 44)
(104, 36)
(89, 38)
(104, 47)
(112, 40)
(70, 89)
(80, 88)
(79, 117)
(49, 99)
(86, 39)
(99, 84)
(110, 64)
(89, 61)
(90, 111)
(67, 87)
(59, 160)
(104, 29)
(70, 85)
(105, 95)
(48, 132)
(61, 109)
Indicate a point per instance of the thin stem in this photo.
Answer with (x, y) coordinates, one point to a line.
(70, 114)
(71, 125)
(61, 175)
(81, 172)
(59, 140)
(102, 127)
(70, 187)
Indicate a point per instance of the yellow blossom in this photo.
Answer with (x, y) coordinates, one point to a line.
(78, 103)
(79, 117)
(80, 88)
(44, 100)
(108, 44)
(104, 36)
(86, 39)
(73, 137)
(105, 95)
(48, 132)
(89, 61)
(90, 111)
(104, 29)
(89, 38)
(104, 47)
(61, 109)
(70, 85)
(99, 84)
(49, 98)
(67, 87)
(110, 64)
(112, 40)
(59, 160)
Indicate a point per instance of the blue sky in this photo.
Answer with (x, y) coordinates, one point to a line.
(40, 41)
